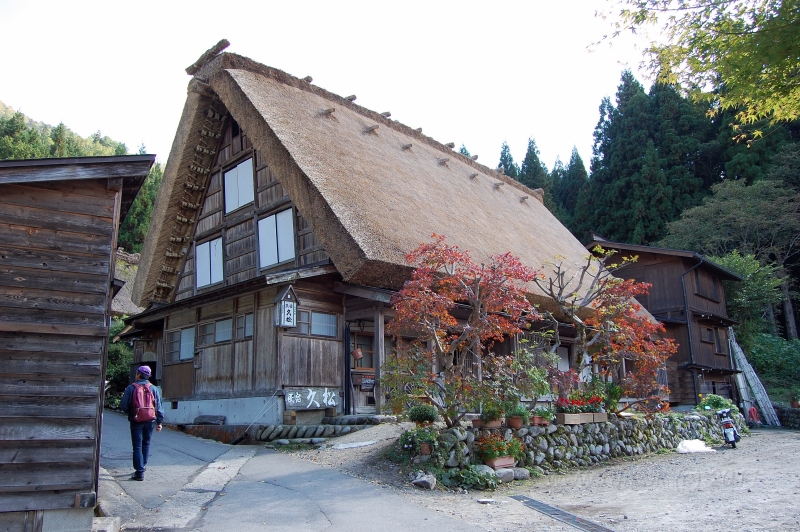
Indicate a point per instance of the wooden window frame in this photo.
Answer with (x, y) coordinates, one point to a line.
(232, 180)
(198, 249)
(310, 324)
(275, 241)
(240, 325)
(209, 336)
(168, 353)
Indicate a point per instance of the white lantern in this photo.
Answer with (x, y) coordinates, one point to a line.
(286, 308)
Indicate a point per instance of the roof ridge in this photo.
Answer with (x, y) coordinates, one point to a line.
(229, 60)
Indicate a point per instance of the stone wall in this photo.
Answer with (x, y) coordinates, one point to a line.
(789, 417)
(564, 446)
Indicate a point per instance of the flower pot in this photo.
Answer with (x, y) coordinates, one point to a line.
(494, 424)
(500, 462)
(599, 417)
(424, 448)
(538, 420)
(568, 419)
(477, 423)
(586, 417)
(514, 422)
(795, 403)
(422, 424)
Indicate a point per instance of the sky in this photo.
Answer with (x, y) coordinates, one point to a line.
(474, 73)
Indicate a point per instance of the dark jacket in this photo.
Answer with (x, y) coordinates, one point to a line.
(125, 403)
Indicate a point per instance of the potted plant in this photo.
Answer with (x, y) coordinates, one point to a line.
(422, 415)
(496, 452)
(542, 415)
(517, 416)
(421, 440)
(568, 411)
(491, 415)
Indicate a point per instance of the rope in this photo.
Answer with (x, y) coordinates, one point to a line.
(263, 411)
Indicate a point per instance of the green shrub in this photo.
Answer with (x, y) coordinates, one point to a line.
(520, 411)
(777, 362)
(491, 412)
(422, 414)
(715, 402)
(468, 479)
(544, 412)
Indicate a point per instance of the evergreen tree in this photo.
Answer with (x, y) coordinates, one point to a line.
(568, 182)
(134, 228)
(464, 151)
(20, 141)
(533, 173)
(507, 163)
(621, 142)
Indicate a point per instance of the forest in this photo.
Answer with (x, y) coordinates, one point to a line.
(665, 170)
(670, 171)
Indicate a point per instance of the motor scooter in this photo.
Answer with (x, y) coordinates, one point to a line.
(729, 431)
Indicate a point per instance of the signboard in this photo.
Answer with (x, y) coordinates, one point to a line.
(311, 398)
(286, 314)
(368, 383)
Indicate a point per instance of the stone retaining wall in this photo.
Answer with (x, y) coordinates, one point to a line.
(789, 417)
(564, 446)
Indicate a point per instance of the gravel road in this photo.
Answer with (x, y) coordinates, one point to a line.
(753, 487)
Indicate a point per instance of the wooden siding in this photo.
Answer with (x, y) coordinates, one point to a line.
(177, 380)
(310, 361)
(56, 243)
(266, 359)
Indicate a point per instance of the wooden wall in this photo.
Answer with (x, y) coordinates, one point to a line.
(238, 229)
(56, 256)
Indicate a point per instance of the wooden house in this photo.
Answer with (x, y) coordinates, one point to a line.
(58, 232)
(280, 233)
(688, 298)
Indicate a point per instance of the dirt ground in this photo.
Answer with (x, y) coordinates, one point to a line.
(753, 487)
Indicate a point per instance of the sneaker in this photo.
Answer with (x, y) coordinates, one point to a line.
(137, 477)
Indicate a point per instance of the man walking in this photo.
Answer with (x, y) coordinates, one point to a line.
(143, 417)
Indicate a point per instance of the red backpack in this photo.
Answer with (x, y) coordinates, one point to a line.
(143, 403)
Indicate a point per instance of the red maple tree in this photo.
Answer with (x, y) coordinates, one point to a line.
(454, 309)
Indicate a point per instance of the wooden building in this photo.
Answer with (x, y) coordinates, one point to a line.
(280, 232)
(688, 298)
(58, 232)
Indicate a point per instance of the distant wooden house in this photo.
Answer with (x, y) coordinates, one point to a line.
(279, 236)
(688, 298)
(58, 231)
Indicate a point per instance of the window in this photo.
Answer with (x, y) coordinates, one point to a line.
(244, 326)
(180, 344)
(208, 263)
(223, 330)
(239, 186)
(365, 342)
(276, 238)
(316, 323)
(214, 332)
(706, 285)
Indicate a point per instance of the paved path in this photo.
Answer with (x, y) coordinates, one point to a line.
(196, 484)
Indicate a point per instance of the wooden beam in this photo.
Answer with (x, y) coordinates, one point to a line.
(384, 296)
(378, 351)
(207, 56)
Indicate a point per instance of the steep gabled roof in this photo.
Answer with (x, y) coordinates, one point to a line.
(370, 194)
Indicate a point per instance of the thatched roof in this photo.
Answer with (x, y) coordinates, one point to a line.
(369, 194)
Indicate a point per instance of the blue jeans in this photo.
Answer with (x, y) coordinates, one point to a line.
(140, 438)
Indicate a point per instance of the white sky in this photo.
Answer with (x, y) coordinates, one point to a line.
(477, 73)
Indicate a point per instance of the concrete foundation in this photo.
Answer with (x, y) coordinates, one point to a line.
(238, 411)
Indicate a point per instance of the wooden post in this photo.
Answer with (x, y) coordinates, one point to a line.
(378, 353)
